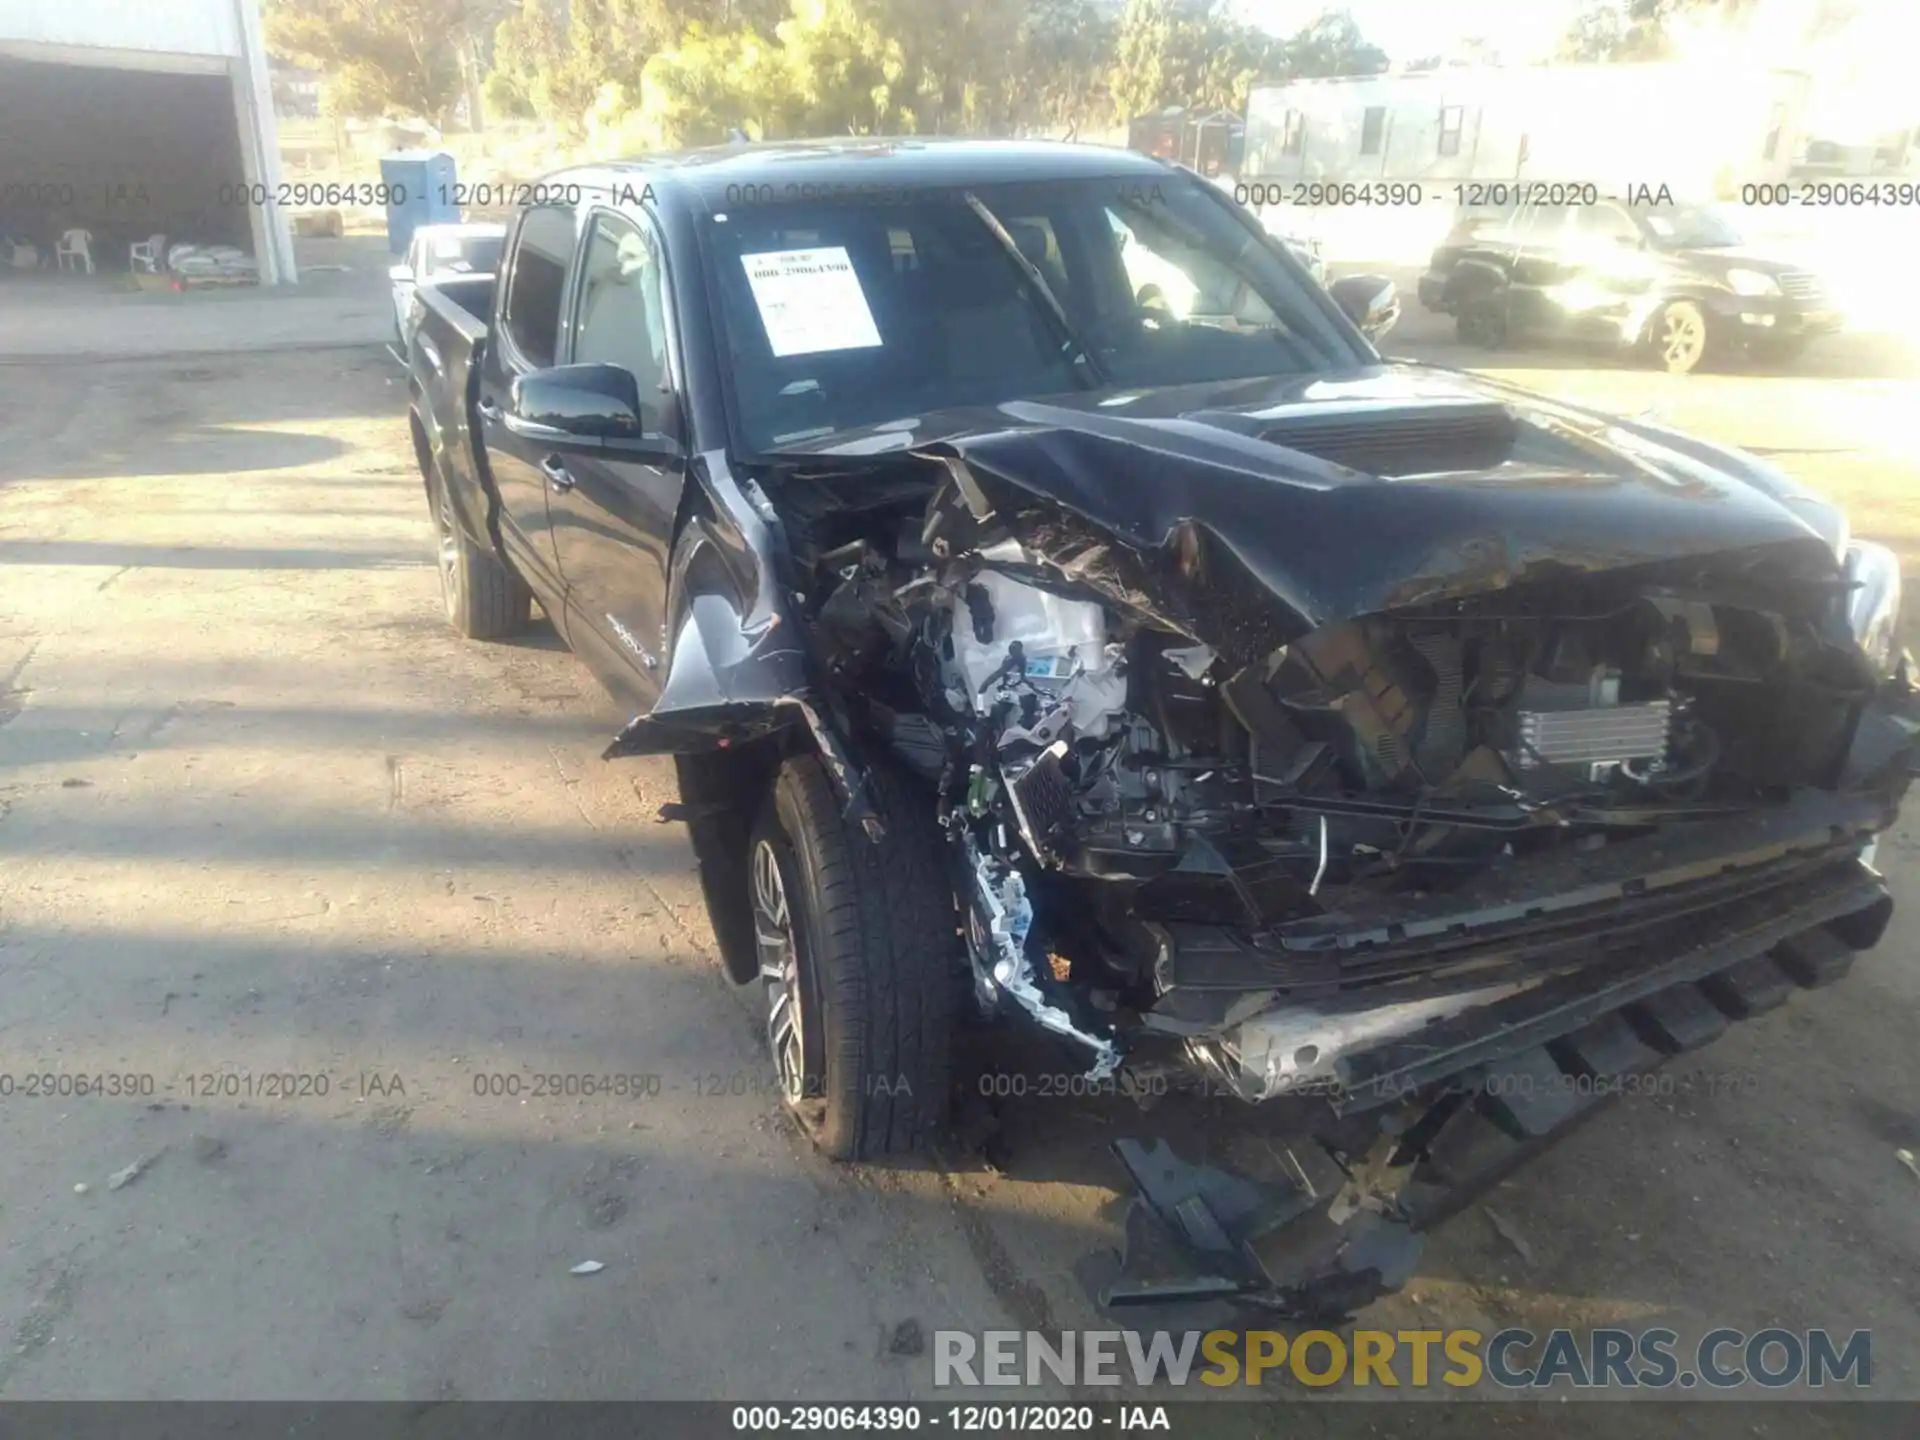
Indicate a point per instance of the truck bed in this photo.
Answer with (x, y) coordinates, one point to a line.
(444, 366)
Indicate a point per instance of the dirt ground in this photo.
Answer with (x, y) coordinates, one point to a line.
(263, 814)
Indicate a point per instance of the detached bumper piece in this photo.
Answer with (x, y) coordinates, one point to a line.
(1334, 1232)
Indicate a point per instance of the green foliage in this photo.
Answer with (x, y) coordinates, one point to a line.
(380, 56)
(1066, 49)
(1195, 53)
(1627, 31)
(642, 73)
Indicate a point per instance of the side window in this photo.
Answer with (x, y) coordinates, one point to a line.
(1607, 223)
(1544, 225)
(1186, 283)
(622, 304)
(1373, 129)
(540, 256)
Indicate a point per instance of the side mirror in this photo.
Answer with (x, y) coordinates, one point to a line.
(400, 272)
(594, 408)
(1371, 302)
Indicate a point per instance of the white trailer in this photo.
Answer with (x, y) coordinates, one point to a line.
(1698, 128)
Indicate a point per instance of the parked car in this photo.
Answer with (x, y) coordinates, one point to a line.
(1403, 753)
(438, 251)
(1672, 281)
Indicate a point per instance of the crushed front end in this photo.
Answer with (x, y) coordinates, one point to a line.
(1570, 818)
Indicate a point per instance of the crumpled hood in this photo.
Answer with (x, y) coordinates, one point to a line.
(1544, 488)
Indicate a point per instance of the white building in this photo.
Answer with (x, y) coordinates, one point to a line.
(1696, 127)
(130, 118)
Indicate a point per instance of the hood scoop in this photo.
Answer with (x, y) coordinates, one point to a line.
(1427, 437)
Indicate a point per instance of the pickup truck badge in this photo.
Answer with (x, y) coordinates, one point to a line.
(626, 637)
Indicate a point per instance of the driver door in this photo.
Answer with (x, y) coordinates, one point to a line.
(525, 339)
(613, 517)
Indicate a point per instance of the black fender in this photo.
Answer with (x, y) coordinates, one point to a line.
(739, 664)
(735, 656)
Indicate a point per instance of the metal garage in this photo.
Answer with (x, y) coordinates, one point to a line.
(133, 118)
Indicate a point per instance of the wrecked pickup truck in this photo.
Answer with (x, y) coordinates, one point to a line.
(1189, 682)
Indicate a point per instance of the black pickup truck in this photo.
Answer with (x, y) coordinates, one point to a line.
(1054, 603)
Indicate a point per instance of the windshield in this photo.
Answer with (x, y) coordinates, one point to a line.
(840, 314)
(1687, 226)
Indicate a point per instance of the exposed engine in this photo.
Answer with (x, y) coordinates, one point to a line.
(1120, 754)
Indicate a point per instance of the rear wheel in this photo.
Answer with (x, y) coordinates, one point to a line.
(1482, 323)
(1678, 337)
(484, 600)
(855, 940)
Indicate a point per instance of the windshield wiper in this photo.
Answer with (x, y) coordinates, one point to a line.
(1076, 349)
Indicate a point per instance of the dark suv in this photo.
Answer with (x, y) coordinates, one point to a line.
(1671, 281)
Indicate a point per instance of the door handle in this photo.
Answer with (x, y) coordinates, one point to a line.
(556, 473)
(489, 411)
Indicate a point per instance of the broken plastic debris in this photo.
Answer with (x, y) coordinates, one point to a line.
(1905, 1157)
(1508, 1233)
(81, 1188)
(588, 1267)
(120, 1179)
(1003, 894)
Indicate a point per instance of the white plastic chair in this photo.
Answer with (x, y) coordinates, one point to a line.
(77, 246)
(147, 256)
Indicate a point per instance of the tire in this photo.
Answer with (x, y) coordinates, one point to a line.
(856, 939)
(1481, 323)
(1678, 337)
(484, 599)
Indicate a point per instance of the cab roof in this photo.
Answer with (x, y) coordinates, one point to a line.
(716, 172)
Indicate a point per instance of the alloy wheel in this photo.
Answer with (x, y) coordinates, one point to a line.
(447, 547)
(779, 959)
(1683, 337)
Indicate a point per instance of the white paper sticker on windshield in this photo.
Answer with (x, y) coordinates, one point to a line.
(810, 301)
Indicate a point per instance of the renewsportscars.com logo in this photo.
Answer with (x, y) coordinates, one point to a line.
(1512, 1359)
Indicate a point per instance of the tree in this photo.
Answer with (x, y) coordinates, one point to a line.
(1333, 45)
(849, 76)
(1066, 49)
(568, 60)
(1638, 30)
(1620, 31)
(1186, 52)
(381, 57)
(1194, 53)
(711, 82)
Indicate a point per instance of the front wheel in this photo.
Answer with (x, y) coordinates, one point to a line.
(855, 939)
(1678, 337)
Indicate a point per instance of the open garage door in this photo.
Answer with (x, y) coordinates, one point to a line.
(124, 154)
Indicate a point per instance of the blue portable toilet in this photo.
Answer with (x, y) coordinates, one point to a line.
(422, 189)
